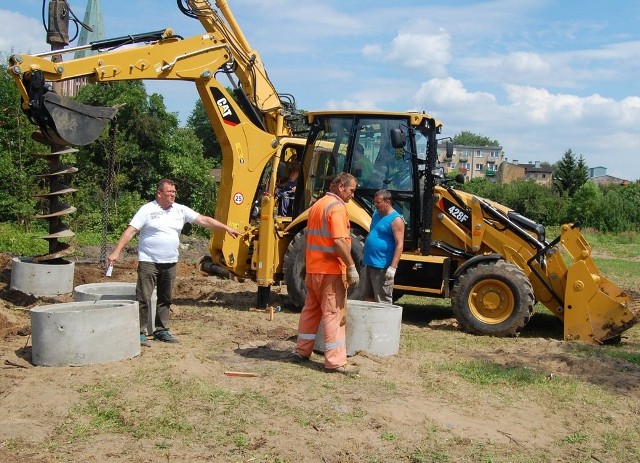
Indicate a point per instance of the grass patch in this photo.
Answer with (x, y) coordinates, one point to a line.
(577, 437)
(622, 272)
(627, 353)
(15, 240)
(620, 245)
(488, 373)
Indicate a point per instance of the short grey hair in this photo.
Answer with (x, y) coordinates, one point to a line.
(386, 195)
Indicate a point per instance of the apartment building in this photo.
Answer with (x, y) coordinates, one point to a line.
(599, 176)
(472, 161)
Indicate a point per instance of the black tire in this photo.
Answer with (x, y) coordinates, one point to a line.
(294, 268)
(397, 294)
(493, 298)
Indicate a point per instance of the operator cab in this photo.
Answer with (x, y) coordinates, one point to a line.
(382, 150)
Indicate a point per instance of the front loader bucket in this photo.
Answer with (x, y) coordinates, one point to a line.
(73, 123)
(596, 310)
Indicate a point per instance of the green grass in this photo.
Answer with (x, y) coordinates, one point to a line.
(623, 352)
(487, 373)
(623, 273)
(19, 242)
(620, 245)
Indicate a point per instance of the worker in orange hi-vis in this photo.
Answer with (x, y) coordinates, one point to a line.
(330, 270)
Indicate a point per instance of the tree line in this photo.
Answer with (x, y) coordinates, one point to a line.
(571, 198)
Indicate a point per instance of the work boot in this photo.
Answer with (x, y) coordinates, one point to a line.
(165, 336)
(346, 369)
(298, 358)
(144, 341)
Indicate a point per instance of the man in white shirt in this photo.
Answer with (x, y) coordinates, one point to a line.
(160, 223)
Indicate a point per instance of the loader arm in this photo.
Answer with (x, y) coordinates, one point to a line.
(246, 146)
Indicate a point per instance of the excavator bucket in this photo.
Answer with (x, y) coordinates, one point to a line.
(595, 309)
(73, 123)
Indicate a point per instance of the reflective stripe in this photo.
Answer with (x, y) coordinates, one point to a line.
(323, 232)
(335, 345)
(317, 247)
(308, 336)
(321, 251)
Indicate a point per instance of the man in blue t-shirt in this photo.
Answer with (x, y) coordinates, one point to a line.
(382, 249)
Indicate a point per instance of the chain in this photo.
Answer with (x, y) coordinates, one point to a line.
(108, 190)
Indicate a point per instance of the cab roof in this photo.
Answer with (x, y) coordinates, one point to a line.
(415, 118)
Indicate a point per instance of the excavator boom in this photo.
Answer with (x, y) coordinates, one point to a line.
(249, 122)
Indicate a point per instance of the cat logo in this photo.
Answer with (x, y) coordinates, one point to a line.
(225, 110)
(229, 116)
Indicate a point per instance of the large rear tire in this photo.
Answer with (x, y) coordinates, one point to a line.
(493, 298)
(294, 267)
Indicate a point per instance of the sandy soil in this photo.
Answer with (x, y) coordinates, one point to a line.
(400, 408)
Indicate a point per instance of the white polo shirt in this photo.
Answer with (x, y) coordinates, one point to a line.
(160, 231)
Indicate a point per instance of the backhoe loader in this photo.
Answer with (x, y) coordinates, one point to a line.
(492, 263)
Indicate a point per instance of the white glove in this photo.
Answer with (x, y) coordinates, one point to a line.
(390, 273)
(352, 275)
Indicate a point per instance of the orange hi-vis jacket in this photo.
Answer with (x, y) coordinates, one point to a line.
(328, 219)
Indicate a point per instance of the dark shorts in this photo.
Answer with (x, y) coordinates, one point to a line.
(376, 285)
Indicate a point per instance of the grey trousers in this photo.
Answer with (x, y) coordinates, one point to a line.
(150, 276)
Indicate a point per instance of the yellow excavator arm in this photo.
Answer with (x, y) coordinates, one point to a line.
(250, 125)
(249, 67)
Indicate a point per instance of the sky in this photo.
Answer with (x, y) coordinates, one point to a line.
(539, 76)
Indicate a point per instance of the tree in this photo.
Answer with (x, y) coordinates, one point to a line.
(586, 205)
(570, 173)
(149, 146)
(19, 182)
(472, 139)
(201, 125)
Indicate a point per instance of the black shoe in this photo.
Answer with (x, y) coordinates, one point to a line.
(165, 336)
(297, 358)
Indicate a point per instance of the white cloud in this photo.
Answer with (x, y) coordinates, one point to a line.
(450, 92)
(360, 102)
(427, 52)
(536, 124)
(21, 34)
(523, 62)
(372, 51)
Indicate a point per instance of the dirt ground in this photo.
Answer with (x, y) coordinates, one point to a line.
(408, 407)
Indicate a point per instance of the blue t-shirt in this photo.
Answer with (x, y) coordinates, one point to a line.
(380, 244)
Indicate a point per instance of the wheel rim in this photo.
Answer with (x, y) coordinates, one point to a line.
(491, 301)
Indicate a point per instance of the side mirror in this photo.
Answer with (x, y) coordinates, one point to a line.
(398, 138)
(449, 153)
(460, 179)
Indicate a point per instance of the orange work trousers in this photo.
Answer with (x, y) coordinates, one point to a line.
(325, 302)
